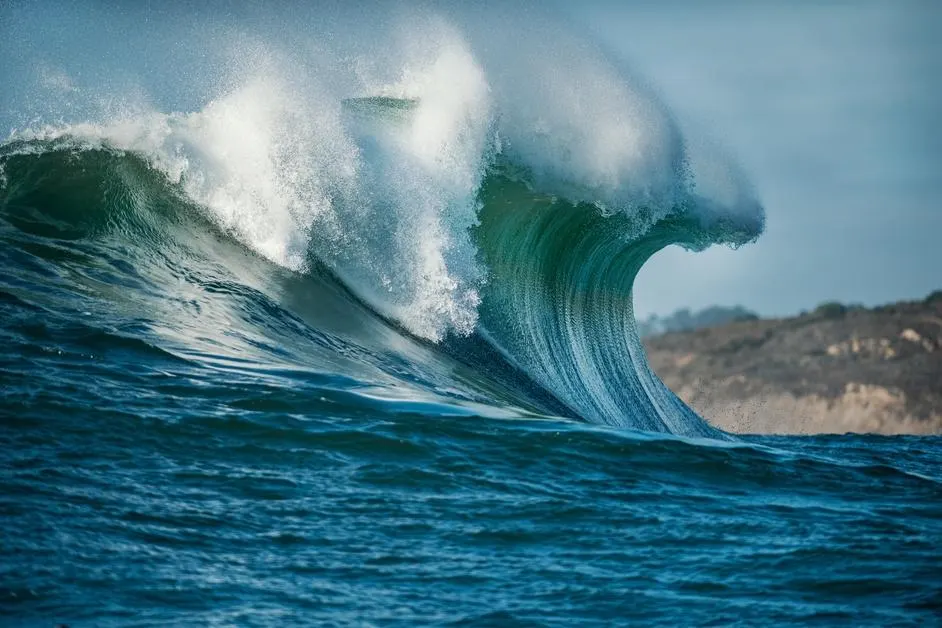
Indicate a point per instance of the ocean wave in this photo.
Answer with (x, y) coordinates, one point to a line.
(459, 198)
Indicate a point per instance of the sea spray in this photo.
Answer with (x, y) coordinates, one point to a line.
(457, 189)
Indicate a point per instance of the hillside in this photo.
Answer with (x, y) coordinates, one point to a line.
(836, 369)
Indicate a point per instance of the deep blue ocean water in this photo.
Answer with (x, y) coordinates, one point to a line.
(163, 494)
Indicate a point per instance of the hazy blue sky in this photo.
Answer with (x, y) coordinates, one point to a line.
(834, 108)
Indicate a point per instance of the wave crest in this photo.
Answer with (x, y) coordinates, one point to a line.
(457, 175)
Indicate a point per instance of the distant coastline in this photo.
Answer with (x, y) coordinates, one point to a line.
(836, 369)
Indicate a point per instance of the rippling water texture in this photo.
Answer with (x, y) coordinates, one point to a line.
(142, 490)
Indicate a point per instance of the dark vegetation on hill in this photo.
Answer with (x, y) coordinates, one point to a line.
(685, 319)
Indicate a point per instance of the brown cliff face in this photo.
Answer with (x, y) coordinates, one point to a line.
(833, 370)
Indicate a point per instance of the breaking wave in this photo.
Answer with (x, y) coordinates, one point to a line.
(450, 208)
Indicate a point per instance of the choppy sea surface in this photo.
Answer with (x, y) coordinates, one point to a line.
(151, 492)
